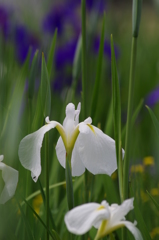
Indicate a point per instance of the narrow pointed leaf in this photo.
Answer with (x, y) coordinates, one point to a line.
(77, 59)
(51, 54)
(84, 62)
(116, 100)
(39, 218)
(134, 117)
(76, 71)
(154, 120)
(43, 197)
(117, 117)
(141, 222)
(45, 90)
(16, 98)
(27, 226)
(98, 73)
(32, 75)
(153, 200)
(136, 17)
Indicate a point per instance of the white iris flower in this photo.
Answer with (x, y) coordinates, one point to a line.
(88, 146)
(101, 216)
(10, 177)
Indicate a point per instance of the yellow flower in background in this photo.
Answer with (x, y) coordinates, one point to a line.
(137, 168)
(154, 232)
(148, 161)
(154, 191)
(144, 196)
(37, 201)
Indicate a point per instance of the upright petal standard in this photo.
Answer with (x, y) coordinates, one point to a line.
(10, 177)
(88, 146)
(101, 216)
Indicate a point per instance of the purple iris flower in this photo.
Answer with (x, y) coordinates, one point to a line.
(65, 54)
(59, 16)
(4, 22)
(153, 97)
(23, 41)
(99, 5)
(107, 47)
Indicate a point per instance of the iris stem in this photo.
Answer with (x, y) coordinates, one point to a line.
(47, 182)
(129, 117)
(69, 185)
(84, 92)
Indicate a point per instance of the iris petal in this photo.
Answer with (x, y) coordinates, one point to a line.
(29, 150)
(61, 152)
(77, 165)
(80, 219)
(10, 177)
(97, 150)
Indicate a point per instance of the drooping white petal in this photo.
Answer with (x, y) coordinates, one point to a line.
(77, 165)
(1, 158)
(61, 152)
(29, 150)
(80, 219)
(10, 177)
(133, 229)
(118, 212)
(97, 150)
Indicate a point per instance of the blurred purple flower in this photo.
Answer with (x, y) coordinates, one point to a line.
(107, 47)
(23, 41)
(4, 22)
(58, 17)
(153, 97)
(65, 54)
(61, 81)
(99, 5)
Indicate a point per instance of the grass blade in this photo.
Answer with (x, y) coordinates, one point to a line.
(98, 74)
(45, 89)
(51, 54)
(27, 226)
(154, 120)
(153, 200)
(117, 117)
(39, 218)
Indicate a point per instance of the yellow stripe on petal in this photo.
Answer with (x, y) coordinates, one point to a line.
(91, 127)
(101, 207)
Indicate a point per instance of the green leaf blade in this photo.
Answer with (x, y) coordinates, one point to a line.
(98, 73)
(51, 54)
(45, 90)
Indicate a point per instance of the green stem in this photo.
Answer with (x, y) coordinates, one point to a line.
(120, 172)
(129, 117)
(83, 13)
(47, 181)
(69, 186)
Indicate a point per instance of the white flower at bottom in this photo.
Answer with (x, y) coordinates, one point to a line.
(101, 216)
(10, 177)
